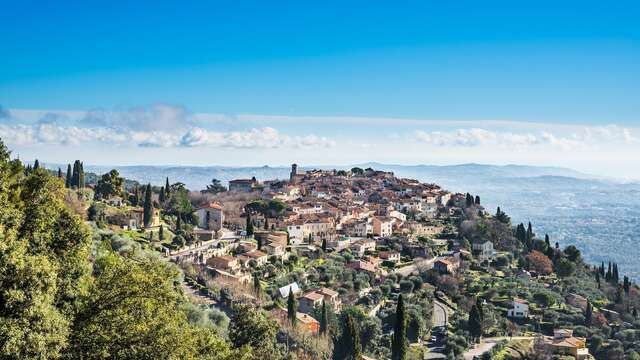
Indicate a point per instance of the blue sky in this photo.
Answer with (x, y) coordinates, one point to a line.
(361, 80)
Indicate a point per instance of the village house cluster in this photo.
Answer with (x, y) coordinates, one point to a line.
(329, 210)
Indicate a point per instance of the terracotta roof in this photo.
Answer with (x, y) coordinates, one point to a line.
(328, 292)
(313, 296)
(305, 318)
(211, 205)
(256, 254)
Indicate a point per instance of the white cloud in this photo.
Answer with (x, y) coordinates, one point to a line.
(159, 125)
(51, 133)
(473, 137)
(266, 137)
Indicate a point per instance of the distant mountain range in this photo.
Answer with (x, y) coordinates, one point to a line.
(197, 177)
(599, 215)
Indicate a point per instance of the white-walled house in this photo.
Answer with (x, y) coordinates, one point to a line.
(483, 250)
(382, 226)
(520, 309)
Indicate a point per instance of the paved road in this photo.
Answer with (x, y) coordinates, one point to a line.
(440, 314)
(488, 344)
(440, 319)
(413, 268)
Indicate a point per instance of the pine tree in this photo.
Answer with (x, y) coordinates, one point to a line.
(324, 321)
(148, 206)
(68, 179)
(291, 307)
(399, 341)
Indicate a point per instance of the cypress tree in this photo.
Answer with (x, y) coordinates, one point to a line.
(477, 200)
(619, 296)
(257, 288)
(291, 307)
(399, 341)
(148, 206)
(323, 319)
(167, 188)
(266, 223)
(626, 285)
(598, 279)
(162, 197)
(480, 309)
(348, 345)
(59, 173)
(161, 233)
(588, 314)
(178, 222)
(249, 226)
(68, 179)
(608, 275)
(75, 176)
(36, 165)
(475, 322)
(324, 244)
(615, 275)
(81, 176)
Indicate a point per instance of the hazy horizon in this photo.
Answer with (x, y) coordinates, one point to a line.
(543, 84)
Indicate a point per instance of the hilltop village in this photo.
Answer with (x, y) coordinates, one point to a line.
(326, 244)
(357, 264)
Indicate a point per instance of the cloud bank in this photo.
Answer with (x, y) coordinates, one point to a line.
(161, 126)
(476, 137)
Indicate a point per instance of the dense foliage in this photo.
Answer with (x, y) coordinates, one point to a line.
(59, 299)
